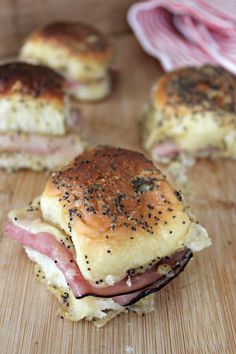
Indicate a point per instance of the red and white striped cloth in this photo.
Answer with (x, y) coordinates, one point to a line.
(187, 32)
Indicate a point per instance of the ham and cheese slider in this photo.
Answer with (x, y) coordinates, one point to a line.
(192, 114)
(78, 52)
(107, 232)
(34, 116)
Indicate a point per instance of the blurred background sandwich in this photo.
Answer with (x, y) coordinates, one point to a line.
(78, 52)
(191, 114)
(35, 119)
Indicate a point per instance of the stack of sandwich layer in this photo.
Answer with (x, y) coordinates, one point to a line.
(190, 115)
(34, 112)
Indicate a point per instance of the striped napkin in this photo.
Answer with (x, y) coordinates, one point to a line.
(187, 32)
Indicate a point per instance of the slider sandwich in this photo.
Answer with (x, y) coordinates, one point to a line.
(107, 232)
(35, 118)
(191, 114)
(78, 52)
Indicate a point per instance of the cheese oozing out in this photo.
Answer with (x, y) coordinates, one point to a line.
(201, 135)
(32, 221)
(89, 307)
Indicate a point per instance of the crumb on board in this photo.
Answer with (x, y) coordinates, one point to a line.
(128, 350)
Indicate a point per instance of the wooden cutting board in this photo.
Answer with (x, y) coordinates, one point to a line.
(194, 314)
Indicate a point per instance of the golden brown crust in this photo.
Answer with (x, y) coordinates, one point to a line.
(33, 80)
(112, 189)
(193, 90)
(78, 39)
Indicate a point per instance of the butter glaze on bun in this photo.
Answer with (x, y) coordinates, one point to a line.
(190, 90)
(78, 39)
(38, 81)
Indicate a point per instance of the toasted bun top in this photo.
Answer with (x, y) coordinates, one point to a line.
(114, 188)
(192, 90)
(78, 39)
(115, 204)
(34, 80)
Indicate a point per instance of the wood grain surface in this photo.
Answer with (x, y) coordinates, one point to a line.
(19, 17)
(194, 314)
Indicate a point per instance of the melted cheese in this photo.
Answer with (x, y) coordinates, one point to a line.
(30, 219)
(192, 132)
(89, 307)
(196, 239)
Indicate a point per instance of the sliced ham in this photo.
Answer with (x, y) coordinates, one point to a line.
(187, 33)
(177, 263)
(73, 84)
(47, 244)
(36, 144)
(139, 285)
(166, 149)
(169, 149)
(74, 119)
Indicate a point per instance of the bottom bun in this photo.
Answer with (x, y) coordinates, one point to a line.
(98, 310)
(91, 91)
